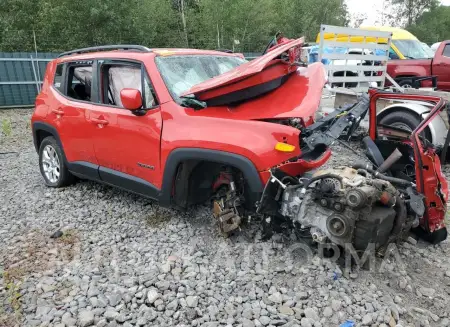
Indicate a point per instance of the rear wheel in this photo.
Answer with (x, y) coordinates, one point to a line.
(52, 165)
(404, 120)
(406, 83)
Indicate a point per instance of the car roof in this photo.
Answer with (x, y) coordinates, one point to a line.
(90, 53)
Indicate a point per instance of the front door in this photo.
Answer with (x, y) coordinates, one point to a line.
(127, 146)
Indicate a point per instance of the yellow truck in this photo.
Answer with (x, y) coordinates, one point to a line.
(404, 44)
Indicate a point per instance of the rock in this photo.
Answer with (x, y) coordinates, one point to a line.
(93, 291)
(247, 323)
(311, 314)
(114, 299)
(264, 320)
(110, 314)
(173, 305)
(328, 312)
(425, 291)
(336, 305)
(286, 310)
(192, 301)
(85, 318)
(367, 319)
(276, 298)
(152, 296)
(307, 322)
(412, 240)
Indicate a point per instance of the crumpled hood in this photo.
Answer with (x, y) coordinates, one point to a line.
(243, 72)
(298, 97)
(265, 88)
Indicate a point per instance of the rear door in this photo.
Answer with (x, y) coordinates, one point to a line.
(441, 66)
(72, 93)
(126, 143)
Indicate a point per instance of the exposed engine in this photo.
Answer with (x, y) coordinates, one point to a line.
(345, 205)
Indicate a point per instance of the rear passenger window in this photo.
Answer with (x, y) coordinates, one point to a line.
(447, 51)
(116, 77)
(79, 81)
(57, 81)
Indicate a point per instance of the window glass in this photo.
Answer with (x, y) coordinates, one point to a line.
(180, 73)
(79, 84)
(447, 51)
(57, 81)
(118, 77)
(413, 49)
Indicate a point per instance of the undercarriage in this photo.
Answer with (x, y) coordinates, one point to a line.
(375, 202)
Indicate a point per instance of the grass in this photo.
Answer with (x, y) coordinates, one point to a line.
(12, 278)
(6, 127)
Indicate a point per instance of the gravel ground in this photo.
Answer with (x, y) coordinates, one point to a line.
(123, 261)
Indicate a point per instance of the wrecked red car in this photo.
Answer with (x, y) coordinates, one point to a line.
(190, 126)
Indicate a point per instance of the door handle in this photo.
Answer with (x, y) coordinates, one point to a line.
(58, 112)
(100, 121)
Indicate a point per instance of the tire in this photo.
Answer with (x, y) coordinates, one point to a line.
(406, 120)
(52, 164)
(406, 83)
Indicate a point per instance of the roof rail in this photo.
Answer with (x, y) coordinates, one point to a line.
(138, 48)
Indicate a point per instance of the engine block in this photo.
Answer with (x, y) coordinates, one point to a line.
(343, 206)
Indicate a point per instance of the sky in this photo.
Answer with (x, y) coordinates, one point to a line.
(371, 8)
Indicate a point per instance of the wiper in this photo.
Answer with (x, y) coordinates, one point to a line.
(193, 103)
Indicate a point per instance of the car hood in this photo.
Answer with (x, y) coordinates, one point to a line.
(298, 97)
(243, 72)
(264, 88)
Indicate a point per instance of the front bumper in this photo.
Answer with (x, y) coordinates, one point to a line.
(298, 167)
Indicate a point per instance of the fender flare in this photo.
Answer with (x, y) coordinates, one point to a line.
(437, 126)
(40, 126)
(242, 163)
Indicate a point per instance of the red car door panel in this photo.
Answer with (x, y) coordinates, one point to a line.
(126, 143)
(69, 119)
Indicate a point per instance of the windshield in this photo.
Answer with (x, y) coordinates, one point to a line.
(413, 49)
(180, 73)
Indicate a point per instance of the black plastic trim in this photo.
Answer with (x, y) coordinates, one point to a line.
(128, 182)
(40, 126)
(177, 156)
(248, 93)
(84, 169)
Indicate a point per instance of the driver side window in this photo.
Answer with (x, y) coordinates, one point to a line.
(116, 77)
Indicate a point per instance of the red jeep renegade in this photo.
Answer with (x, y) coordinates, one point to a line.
(176, 125)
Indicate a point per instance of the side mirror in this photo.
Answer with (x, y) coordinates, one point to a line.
(131, 99)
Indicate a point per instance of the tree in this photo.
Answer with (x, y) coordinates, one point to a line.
(240, 25)
(432, 26)
(408, 11)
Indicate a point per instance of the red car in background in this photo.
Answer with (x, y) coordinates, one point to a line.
(407, 70)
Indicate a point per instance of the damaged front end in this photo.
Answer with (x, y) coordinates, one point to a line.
(375, 202)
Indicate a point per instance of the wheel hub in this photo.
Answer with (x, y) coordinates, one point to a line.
(50, 164)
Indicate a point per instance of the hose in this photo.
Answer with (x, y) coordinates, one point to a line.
(400, 208)
(376, 174)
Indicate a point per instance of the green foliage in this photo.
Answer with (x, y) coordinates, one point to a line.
(433, 26)
(243, 25)
(408, 11)
(6, 127)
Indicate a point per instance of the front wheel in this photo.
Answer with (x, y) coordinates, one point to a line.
(52, 165)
